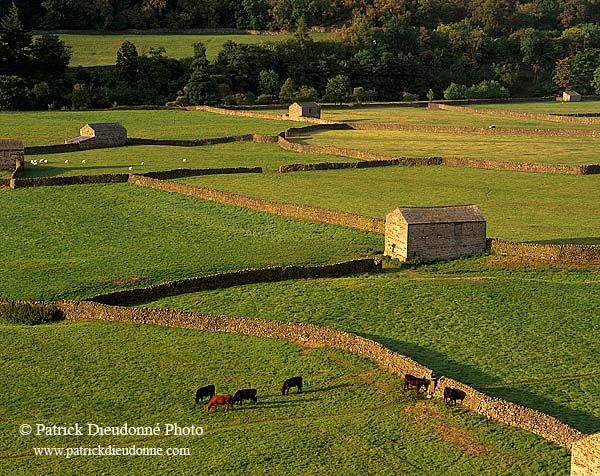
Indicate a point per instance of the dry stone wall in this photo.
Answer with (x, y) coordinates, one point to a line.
(68, 180)
(289, 210)
(585, 456)
(587, 254)
(236, 278)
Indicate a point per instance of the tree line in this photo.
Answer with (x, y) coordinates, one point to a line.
(387, 60)
(493, 16)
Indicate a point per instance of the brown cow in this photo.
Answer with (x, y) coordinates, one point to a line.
(412, 381)
(452, 395)
(217, 400)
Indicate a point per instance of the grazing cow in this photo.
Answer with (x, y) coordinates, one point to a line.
(451, 395)
(245, 394)
(223, 399)
(291, 382)
(207, 391)
(418, 383)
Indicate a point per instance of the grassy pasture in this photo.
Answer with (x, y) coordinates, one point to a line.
(352, 418)
(586, 106)
(517, 206)
(47, 128)
(524, 334)
(506, 148)
(72, 242)
(101, 49)
(156, 158)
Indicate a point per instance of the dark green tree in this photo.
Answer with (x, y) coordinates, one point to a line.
(338, 89)
(15, 43)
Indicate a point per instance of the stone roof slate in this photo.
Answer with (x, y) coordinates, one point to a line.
(450, 214)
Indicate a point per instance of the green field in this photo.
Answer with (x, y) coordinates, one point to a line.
(422, 116)
(520, 334)
(352, 418)
(72, 242)
(47, 128)
(517, 206)
(101, 50)
(505, 148)
(157, 158)
(511, 328)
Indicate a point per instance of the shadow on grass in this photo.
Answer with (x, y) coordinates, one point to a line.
(442, 364)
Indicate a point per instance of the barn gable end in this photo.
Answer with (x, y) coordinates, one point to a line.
(433, 233)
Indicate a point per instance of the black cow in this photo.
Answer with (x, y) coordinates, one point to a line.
(245, 394)
(418, 383)
(207, 391)
(291, 382)
(451, 395)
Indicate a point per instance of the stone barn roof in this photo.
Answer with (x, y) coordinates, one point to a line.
(449, 214)
(308, 104)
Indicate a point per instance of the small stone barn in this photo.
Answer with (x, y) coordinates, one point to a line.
(571, 96)
(304, 109)
(433, 233)
(103, 134)
(11, 150)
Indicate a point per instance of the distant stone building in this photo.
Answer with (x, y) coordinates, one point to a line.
(103, 134)
(11, 150)
(571, 96)
(433, 233)
(304, 109)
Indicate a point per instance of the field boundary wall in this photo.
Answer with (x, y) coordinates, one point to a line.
(236, 278)
(567, 253)
(123, 178)
(258, 115)
(497, 409)
(289, 210)
(515, 114)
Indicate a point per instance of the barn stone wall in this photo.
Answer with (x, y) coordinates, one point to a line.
(11, 151)
(432, 241)
(585, 456)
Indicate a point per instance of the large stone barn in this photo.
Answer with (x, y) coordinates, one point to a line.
(11, 150)
(102, 134)
(433, 233)
(304, 109)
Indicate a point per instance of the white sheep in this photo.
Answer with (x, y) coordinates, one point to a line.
(130, 168)
(83, 161)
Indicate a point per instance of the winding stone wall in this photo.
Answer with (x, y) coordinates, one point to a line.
(236, 278)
